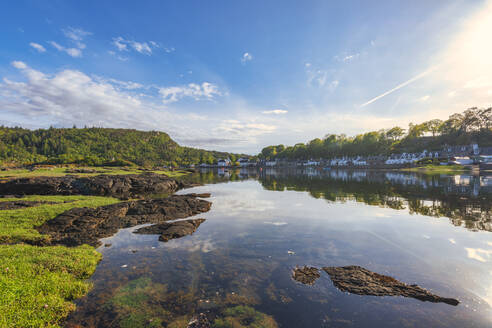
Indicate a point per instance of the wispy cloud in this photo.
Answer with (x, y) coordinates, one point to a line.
(145, 47)
(37, 46)
(114, 54)
(196, 91)
(246, 57)
(75, 36)
(275, 112)
(74, 52)
(244, 129)
(399, 86)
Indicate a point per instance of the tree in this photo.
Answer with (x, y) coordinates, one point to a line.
(395, 133)
(434, 126)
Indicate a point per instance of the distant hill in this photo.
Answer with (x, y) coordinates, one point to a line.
(97, 146)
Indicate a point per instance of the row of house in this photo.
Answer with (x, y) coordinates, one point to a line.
(463, 155)
(226, 162)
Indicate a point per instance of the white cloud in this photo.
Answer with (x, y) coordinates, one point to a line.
(145, 48)
(19, 65)
(424, 98)
(275, 111)
(70, 97)
(141, 47)
(246, 57)
(37, 46)
(204, 91)
(74, 52)
(76, 34)
(245, 130)
(120, 43)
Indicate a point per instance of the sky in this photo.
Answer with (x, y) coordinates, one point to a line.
(241, 75)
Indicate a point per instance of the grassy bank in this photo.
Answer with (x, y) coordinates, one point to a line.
(62, 171)
(438, 169)
(38, 284)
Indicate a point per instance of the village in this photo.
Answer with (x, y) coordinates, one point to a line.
(465, 155)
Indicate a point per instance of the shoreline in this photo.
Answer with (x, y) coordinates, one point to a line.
(42, 279)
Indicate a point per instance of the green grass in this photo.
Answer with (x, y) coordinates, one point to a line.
(38, 284)
(438, 169)
(18, 225)
(62, 171)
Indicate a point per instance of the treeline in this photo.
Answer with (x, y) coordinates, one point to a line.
(97, 146)
(474, 125)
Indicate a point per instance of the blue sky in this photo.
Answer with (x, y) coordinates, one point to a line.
(240, 75)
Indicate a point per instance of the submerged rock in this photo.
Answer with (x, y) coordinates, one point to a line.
(306, 275)
(199, 321)
(87, 225)
(121, 186)
(357, 280)
(172, 230)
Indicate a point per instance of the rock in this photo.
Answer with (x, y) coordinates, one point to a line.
(200, 321)
(87, 225)
(82, 170)
(172, 230)
(357, 280)
(306, 275)
(201, 195)
(121, 186)
(17, 204)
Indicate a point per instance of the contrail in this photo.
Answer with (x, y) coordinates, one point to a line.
(413, 79)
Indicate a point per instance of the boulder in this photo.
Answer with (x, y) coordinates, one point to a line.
(357, 280)
(172, 230)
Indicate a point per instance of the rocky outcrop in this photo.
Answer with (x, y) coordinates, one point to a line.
(172, 230)
(306, 275)
(87, 225)
(18, 204)
(121, 186)
(357, 280)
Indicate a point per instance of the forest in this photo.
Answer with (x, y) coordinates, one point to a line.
(98, 146)
(474, 125)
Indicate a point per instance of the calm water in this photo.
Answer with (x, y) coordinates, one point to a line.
(433, 231)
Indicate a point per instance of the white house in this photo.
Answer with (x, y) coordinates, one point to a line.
(243, 162)
(224, 162)
(311, 163)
